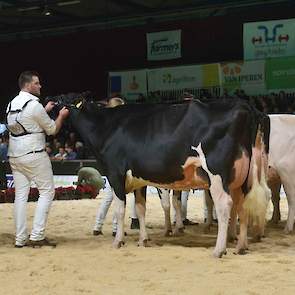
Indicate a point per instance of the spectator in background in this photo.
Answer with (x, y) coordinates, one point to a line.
(282, 102)
(80, 150)
(72, 139)
(49, 151)
(56, 145)
(70, 153)
(187, 96)
(61, 155)
(3, 149)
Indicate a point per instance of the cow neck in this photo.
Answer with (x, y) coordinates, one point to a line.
(85, 123)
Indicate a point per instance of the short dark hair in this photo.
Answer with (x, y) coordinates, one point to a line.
(26, 77)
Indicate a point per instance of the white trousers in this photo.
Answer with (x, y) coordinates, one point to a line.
(105, 205)
(184, 198)
(37, 168)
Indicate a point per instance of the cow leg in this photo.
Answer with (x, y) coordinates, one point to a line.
(232, 228)
(242, 244)
(274, 183)
(275, 198)
(289, 188)
(120, 208)
(176, 201)
(222, 202)
(140, 206)
(209, 206)
(164, 196)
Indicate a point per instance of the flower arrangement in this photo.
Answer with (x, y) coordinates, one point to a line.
(61, 193)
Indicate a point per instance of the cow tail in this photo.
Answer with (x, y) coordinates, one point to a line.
(257, 199)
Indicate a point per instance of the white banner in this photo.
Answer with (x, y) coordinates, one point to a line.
(269, 39)
(164, 45)
(59, 180)
(131, 84)
(184, 77)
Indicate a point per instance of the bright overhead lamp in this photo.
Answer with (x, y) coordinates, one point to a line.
(46, 11)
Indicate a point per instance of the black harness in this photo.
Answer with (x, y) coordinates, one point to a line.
(24, 131)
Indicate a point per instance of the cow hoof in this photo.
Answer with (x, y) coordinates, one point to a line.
(168, 233)
(219, 254)
(118, 244)
(144, 243)
(241, 251)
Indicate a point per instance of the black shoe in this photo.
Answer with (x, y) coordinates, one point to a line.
(97, 232)
(189, 222)
(134, 223)
(114, 234)
(41, 243)
(20, 246)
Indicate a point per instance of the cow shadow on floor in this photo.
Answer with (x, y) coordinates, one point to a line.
(193, 236)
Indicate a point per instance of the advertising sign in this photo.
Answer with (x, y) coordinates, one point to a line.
(131, 84)
(246, 75)
(280, 73)
(269, 39)
(164, 45)
(184, 77)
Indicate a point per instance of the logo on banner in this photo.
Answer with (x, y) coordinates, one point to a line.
(169, 79)
(133, 85)
(232, 73)
(164, 45)
(270, 37)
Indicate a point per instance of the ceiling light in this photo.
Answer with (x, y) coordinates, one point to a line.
(29, 8)
(68, 3)
(46, 11)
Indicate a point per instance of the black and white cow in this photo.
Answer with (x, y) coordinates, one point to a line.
(220, 145)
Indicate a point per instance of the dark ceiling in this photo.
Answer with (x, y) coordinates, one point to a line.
(26, 18)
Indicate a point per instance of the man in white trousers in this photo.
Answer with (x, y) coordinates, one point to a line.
(28, 122)
(104, 208)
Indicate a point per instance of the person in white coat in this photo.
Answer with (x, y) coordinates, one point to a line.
(28, 123)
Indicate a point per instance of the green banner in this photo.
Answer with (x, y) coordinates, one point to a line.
(280, 73)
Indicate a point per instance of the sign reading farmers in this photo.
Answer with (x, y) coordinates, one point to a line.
(130, 84)
(164, 45)
(269, 39)
(280, 73)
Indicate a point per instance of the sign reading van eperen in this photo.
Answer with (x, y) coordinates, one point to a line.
(164, 45)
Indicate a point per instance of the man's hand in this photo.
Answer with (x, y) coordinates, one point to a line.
(50, 105)
(64, 112)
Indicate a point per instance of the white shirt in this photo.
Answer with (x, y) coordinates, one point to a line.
(35, 119)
